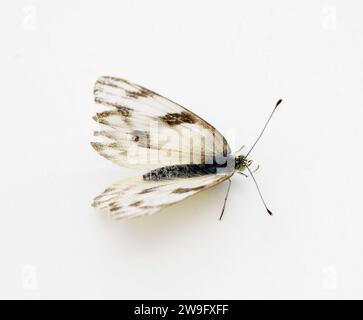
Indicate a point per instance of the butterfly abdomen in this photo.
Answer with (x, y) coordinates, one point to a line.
(181, 171)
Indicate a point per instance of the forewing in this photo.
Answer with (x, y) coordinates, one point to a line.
(135, 197)
(143, 129)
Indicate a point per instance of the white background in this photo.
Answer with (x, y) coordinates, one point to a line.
(228, 61)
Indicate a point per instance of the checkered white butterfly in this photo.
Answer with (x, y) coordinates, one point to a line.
(181, 153)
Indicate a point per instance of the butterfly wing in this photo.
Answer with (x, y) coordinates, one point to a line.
(143, 129)
(134, 197)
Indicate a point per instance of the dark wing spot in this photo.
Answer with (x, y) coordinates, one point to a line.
(185, 190)
(124, 111)
(112, 209)
(173, 119)
(142, 92)
(148, 190)
(136, 204)
(142, 138)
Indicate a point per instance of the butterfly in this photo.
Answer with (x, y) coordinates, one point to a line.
(180, 153)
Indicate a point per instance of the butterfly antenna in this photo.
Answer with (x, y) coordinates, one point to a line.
(259, 191)
(263, 130)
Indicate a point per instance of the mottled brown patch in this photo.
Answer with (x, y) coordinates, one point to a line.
(104, 82)
(185, 190)
(176, 118)
(116, 208)
(124, 111)
(136, 204)
(113, 206)
(140, 92)
(97, 146)
(114, 145)
(121, 109)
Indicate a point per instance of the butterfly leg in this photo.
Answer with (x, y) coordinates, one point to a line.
(243, 174)
(225, 199)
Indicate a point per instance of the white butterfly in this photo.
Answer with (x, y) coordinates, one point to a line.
(180, 152)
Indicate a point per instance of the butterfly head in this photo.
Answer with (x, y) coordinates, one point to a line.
(241, 163)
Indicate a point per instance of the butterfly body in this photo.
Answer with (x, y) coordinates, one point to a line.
(196, 170)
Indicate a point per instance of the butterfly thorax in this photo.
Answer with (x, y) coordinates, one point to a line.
(241, 162)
